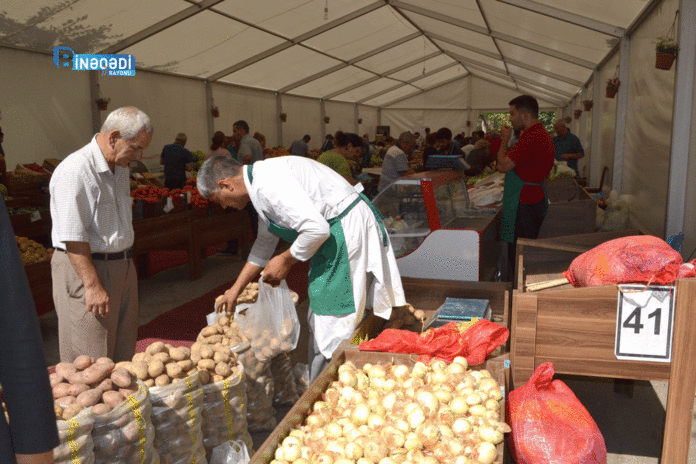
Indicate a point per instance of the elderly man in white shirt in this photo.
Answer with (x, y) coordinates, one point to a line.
(326, 220)
(95, 288)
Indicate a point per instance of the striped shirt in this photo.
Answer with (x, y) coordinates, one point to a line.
(89, 203)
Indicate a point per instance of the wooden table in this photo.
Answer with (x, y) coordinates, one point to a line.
(207, 231)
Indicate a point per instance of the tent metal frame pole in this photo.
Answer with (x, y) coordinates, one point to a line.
(94, 95)
(322, 115)
(681, 121)
(410, 81)
(596, 140)
(621, 111)
(355, 118)
(208, 105)
(406, 97)
(279, 123)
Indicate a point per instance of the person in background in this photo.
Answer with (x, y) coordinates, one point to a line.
(352, 263)
(396, 160)
(300, 147)
(218, 146)
(525, 166)
(429, 149)
(31, 434)
(328, 143)
(366, 154)
(418, 139)
(478, 158)
(176, 160)
(261, 138)
(348, 147)
(3, 164)
(494, 139)
(443, 143)
(250, 150)
(95, 287)
(567, 145)
(233, 145)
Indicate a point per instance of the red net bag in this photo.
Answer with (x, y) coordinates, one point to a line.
(550, 425)
(446, 342)
(634, 259)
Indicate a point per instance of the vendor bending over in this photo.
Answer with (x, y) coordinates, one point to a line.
(326, 219)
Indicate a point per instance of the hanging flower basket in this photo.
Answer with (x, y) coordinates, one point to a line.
(359, 120)
(215, 112)
(577, 114)
(664, 60)
(283, 117)
(103, 103)
(567, 119)
(613, 87)
(327, 119)
(666, 50)
(588, 104)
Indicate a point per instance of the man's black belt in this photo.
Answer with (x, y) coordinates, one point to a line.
(127, 254)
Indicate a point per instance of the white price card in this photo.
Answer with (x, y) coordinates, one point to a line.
(35, 216)
(644, 321)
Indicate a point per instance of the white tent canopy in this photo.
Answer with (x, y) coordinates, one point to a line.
(402, 63)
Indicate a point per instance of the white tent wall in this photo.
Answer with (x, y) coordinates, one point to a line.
(342, 117)
(369, 115)
(648, 129)
(405, 120)
(174, 104)
(453, 96)
(585, 132)
(302, 118)
(256, 107)
(607, 108)
(45, 110)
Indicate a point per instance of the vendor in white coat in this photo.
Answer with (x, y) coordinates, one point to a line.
(326, 220)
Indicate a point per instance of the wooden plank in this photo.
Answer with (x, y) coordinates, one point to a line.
(523, 326)
(680, 396)
(575, 365)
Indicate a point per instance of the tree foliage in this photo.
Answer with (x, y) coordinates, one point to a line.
(496, 120)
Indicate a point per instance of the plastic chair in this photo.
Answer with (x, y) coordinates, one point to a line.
(601, 182)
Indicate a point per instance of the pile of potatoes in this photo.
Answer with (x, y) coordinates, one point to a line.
(225, 332)
(407, 318)
(87, 383)
(162, 364)
(250, 293)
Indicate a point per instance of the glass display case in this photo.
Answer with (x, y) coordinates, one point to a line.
(435, 230)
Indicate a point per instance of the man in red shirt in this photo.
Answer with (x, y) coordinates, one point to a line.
(526, 165)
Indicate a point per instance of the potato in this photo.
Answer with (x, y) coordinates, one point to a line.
(222, 369)
(221, 357)
(140, 370)
(186, 365)
(61, 390)
(174, 370)
(55, 379)
(89, 397)
(209, 331)
(162, 380)
(126, 392)
(192, 371)
(121, 378)
(195, 357)
(82, 362)
(66, 401)
(206, 364)
(176, 354)
(105, 385)
(76, 377)
(149, 383)
(72, 411)
(419, 314)
(104, 361)
(58, 410)
(64, 369)
(123, 364)
(224, 321)
(95, 373)
(217, 378)
(169, 346)
(204, 377)
(196, 346)
(78, 388)
(207, 352)
(141, 357)
(186, 350)
(155, 369)
(101, 408)
(224, 349)
(155, 348)
(213, 339)
(163, 357)
(113, 398)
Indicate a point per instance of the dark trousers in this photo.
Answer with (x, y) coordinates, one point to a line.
(174, 184)
(527, 225)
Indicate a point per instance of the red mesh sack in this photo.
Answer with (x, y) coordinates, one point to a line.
(446, 342)
(634, 259)
(550, 425)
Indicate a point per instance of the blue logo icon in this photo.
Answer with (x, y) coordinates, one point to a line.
(109, 65)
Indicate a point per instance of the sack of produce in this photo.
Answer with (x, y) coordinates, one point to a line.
(260, 389)
(75, 436)
(126, 434)
(177, 419)
(549, 424)
(301, 373)
(284, 381)
(230, 452)
(271, 324)
(225, 412)
(633, 259)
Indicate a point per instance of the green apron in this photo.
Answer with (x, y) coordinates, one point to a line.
(511, 200)
(330, 288)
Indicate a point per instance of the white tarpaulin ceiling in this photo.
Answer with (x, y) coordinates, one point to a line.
(371, 52)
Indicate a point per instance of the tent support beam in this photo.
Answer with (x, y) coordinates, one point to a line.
(681, 122)
(355, 118)
(402, 84)
(322, 124)
(448, 81)
(571, 18)
(621, 110)
(596, 140)
(94, 95)
(208, 106)
(399, 5)
(160, 26)
(279, 123)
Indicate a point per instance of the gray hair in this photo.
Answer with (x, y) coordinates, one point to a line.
(560, 122)
(180, 137)
(482, 144)
(213, 171)
(406, 137)
(129, 121)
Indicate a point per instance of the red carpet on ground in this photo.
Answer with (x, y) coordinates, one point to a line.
(187, 320)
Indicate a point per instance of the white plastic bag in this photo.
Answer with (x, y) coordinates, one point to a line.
(271, 323)
(230, 452)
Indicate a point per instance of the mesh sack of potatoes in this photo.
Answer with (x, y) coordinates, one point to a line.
(286, 393)
(126, 433)
(75, 436)
(259, 388)
(225, 411)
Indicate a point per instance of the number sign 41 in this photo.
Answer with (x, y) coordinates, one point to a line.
(644, 321)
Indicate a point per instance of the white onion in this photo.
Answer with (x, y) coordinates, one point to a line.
(298, 433)
(323, 459)
(363, 382)
(492, 404)
(492, 415)
(461, 427)
(415, 454)
(438, 365)
(442, 395)
(464, 391)
(429, 433)
(348, 378)
(478, 375)
(364, 461)
(459, 405)
(319, 405)
(416, 417)
(477, 410)
(473, 399)
(413, 443)
(400, 371)
(291, 452)
(389, 385)
(354, 451)
(394, 438)
(457, 368)
(429, 460)
(278, 461)
(279, 454)
(306, 452)
(331, 396)
(485, 453)
(375, 450)
(360, 414)
(375, 421)
(334, 430)
(428, 401)
(377, 382)
(490, 435)
(455, 447)
(387, 460)
(495, 393)
(343, 461)
(445, 431)
(419, 370)
(389, 400)
(291, 440)
(483, 395)
(315, 421)
(445, 416)
(352, 435)
(335, 448)
(376, 371)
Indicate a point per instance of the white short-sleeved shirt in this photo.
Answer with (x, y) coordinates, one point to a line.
(89, 203)
(395, 163)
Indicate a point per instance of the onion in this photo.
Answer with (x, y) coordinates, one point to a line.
(419, 370)
(353, 435)
(377, 382)
(279, 454)
(440, 452)
(299, 434)
(442, 395)
(400, 371)
(492, 404)
(495, 393)
(490, 435)
(343, 461)
(278, 461)
(438, 365)
(376, 371)
(389, 385)
(363, 381)
(375, 450)
(455, 447)
(492, 415)
(315, 421)
(413, 443)
(323, 459)
(306, 452)
(291, 441)
(429, 460)
(389, 400)
(336, 449)
(319, 405)
(477, 410)
(394, 438)
(387, 460)
(353, 451)
(379, 410)
(485, 453)
(461, 427)
(373, 396)
(291, 452)
(473, 399)
(428, 401)
(375, 421)
(429, 433)
(456, 368)
(445, 431)
(459, 405)
(415, 454)
(402, 426)
(334, 430)
(464, 391)
(331, 396)
(445, 416)
(478, 375)
(348, 378)
(364, 461)
(416, 417)
(436, 377)
(359, 415)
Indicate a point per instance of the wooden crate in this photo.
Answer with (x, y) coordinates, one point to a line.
(21, 183)
(498, 367)
(207, 231)
(571, 210)
(50, 164)
(25, 226)
(40, 282)
(575, 329)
